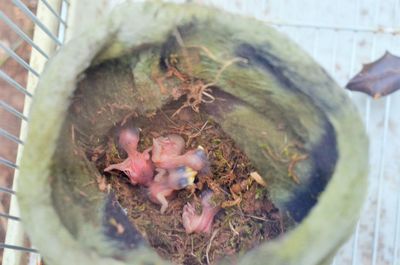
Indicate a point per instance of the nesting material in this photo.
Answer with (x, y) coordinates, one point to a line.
(246, 216)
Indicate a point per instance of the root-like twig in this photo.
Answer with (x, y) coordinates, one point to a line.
(209, 245)
(291, 172)
(196, 91)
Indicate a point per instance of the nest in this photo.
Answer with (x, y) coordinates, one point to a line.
(248, 215)
(272, 108)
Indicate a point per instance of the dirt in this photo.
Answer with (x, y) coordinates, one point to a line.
(247, 217)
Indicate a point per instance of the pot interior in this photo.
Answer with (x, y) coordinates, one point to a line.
(281, 131)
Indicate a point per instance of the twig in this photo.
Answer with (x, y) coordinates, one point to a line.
(291, 166)
(94, 198)
(128, 116)
(73, 133)
(206, 51)
(83, 194)
(254, 175)
(179, 39)
(168, 118)
(228, 204)
(200, 131)
(233, 229)
(223, 68)
(209, 245)
(281, 222)
(181, 108)
(260, 218)
(211, 97)
(88, 184)
(192, 252)
(268, 152)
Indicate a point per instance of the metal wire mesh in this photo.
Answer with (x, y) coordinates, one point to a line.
(341, 35)
(49, 13)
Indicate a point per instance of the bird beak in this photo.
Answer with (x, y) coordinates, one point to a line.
(191, 174)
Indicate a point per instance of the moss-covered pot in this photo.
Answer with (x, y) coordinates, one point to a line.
(273, 83)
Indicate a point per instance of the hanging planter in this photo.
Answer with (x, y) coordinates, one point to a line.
(248, 84)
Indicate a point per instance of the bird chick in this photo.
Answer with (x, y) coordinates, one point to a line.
(167, 154)
(165, 147)
(168, 181)
(137, 166)
(202, 223)
(195, 159)
(129, 139)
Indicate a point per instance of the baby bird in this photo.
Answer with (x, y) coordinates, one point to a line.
(167, 154)
(175, 169)
(165, 147)
(168, 181)
(137, 166)
(202, 223)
